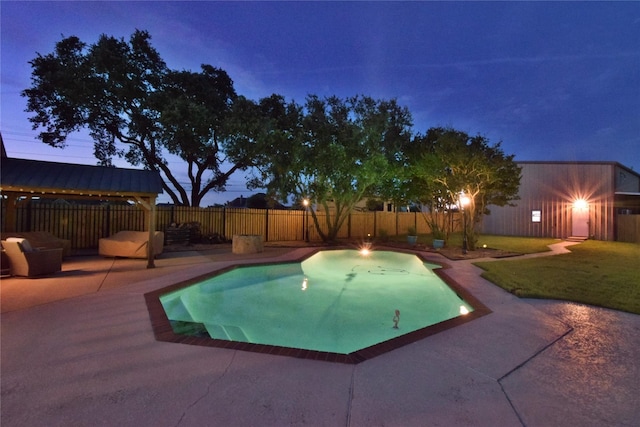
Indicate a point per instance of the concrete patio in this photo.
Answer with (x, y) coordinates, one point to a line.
(77, 349)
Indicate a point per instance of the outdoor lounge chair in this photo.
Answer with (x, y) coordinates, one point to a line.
(29, 262)
(42, 240)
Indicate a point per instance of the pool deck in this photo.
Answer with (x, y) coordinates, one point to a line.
(77, 348)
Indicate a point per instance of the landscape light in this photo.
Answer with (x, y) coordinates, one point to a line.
(305, 220)
(464, 201)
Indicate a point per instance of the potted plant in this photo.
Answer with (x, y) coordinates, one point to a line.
(412, 235)
(438, 238)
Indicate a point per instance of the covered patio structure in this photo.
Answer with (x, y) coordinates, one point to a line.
(22, 179)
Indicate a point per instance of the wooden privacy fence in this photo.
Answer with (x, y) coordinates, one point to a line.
(628, 228)
(83, 225)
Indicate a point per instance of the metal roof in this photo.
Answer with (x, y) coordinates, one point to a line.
(34, 176)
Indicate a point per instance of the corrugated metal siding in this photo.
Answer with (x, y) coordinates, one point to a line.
(552, 188)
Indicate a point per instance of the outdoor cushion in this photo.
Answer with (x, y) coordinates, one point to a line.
(22, 243)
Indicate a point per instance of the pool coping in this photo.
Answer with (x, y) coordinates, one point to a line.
(163, 330)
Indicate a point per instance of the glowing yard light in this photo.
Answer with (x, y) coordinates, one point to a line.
(464, 200)
(464, 310)
(580, 204)
(305, 220)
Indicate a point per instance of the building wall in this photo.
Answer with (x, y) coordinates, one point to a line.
(626, 181)
(552, 188)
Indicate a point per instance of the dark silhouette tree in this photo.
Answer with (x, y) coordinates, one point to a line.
(135, 107)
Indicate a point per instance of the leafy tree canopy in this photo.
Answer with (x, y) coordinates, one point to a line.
(135, 107)
(330, 151)
(447, 164)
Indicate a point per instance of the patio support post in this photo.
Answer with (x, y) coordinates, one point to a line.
(149, 206)
(152, 228)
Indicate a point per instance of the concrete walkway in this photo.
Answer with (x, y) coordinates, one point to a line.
(77, 349)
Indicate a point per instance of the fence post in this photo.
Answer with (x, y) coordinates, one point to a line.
(375, 224)
(107, 231)
(224, 223)
(29, 213)
(266, 225)
(396, 222)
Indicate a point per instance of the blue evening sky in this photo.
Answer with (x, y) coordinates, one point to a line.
(551, 80)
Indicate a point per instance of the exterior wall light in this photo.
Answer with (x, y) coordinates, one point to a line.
(580, 204)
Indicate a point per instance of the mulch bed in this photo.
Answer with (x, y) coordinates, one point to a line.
(455, 254)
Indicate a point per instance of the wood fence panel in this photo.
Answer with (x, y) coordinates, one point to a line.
(406, 220)
(421, 223)
(164, 217)
(357, 227)
(345, 231)
(244, 221)
(214, 222)
(84, 225)
(628, 228)
(210, 220)
(386, 222)
(87, 226)
(285, 225)
(185, 215)
(126, 218)
(314, 236)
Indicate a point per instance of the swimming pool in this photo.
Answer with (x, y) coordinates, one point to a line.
(337, 302)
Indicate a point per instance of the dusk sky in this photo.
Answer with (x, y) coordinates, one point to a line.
(552, 81)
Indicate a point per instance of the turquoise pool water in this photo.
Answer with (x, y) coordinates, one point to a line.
(337, 301)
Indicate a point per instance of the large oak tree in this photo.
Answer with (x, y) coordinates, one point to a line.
(135, 107)
(331, 151)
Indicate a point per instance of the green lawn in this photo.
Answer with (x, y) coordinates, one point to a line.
(523, 245)
(605, 274)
